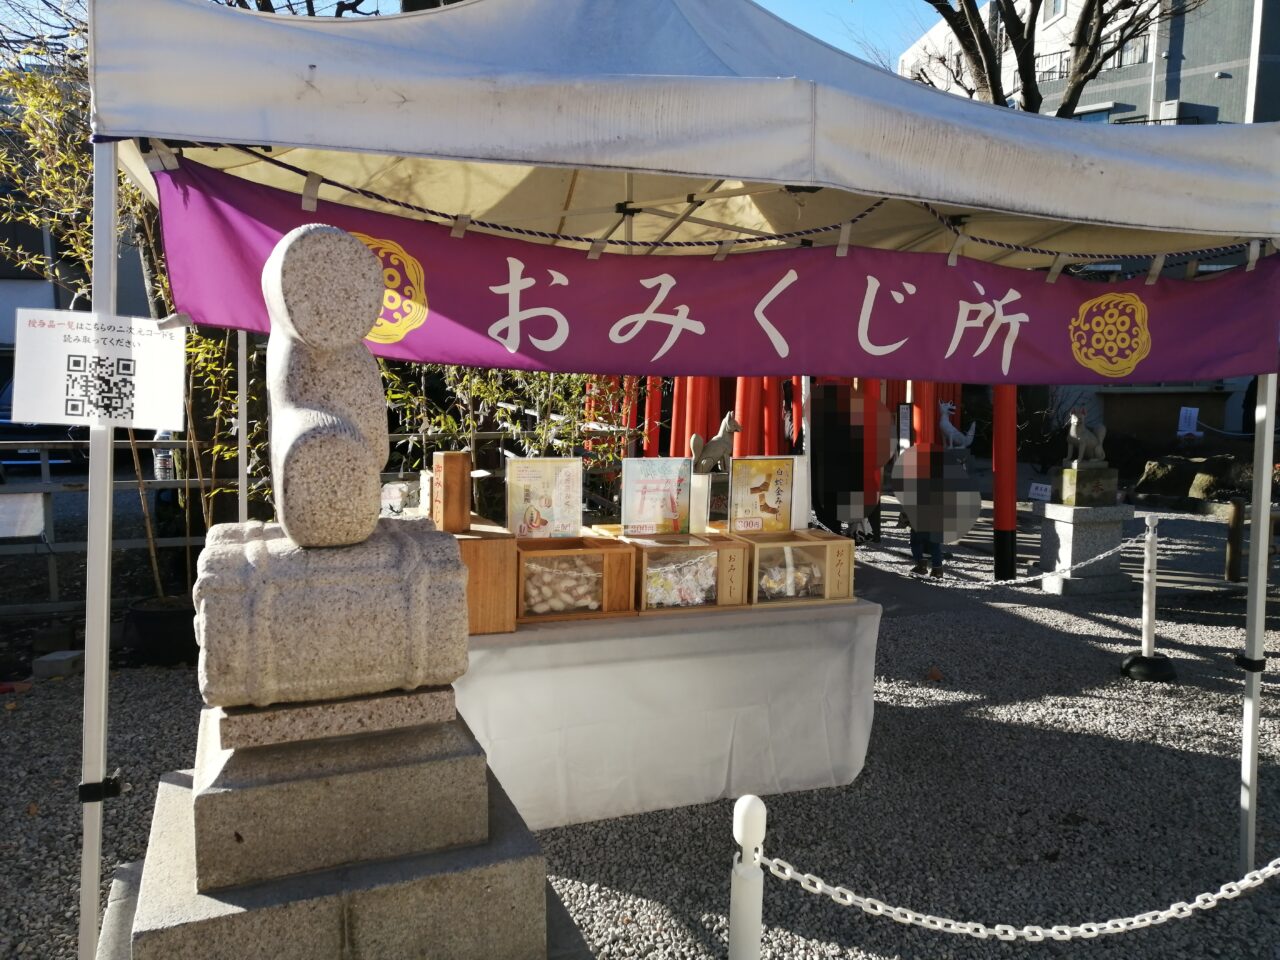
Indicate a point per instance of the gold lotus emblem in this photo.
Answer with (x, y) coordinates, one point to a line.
(404, 301)
(1109, 335)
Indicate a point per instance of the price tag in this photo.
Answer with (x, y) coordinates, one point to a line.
(1041, 491)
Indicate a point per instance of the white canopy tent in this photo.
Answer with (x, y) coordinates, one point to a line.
(663, 120)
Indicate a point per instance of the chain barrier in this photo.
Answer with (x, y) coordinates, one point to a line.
(1003, 931)
(1016, 581)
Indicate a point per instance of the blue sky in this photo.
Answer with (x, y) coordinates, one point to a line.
(887, 25)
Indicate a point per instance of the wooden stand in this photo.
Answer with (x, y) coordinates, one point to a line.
(731, 567)
(579, 571)
(451, 491)
(489, 551)
(831, 554)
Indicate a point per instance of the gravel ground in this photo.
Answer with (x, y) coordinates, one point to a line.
(1030, 784)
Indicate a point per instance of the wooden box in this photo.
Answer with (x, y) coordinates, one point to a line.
(803, 566)
(451, 491)
(690, 572)
(489, 551)
(571, 578)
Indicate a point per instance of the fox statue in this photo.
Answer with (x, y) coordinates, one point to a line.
(954, 439)
(710, 456)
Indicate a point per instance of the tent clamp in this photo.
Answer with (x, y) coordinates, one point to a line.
(108, 788)
(792, 188)
(1248, 665)
(460, 224)
(625, 209)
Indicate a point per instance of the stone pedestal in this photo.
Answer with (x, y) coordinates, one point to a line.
(1069, 535)
(1090, 486)
(338, 809)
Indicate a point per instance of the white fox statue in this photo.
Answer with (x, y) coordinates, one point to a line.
(954, 439)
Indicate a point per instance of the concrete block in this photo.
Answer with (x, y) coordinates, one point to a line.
(1070, 535)
(476, 903)
(564, 940)
(62, 663)
(1090, 487)
(278, 623)
(280, 810)
(292, 722)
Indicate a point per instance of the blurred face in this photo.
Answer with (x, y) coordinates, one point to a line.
(936, 492)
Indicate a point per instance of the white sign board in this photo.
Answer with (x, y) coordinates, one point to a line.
(1188, 418)
(1041, 491)
(96, 369)
(904, 426)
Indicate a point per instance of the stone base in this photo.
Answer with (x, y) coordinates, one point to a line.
(564, 940)
(281, 624)
(1090, 487)
(474, 903)
(267, 812)
(292, 722)
(1070, 535)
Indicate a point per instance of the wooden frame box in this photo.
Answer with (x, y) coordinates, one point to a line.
(573, 578)
(690, 572)
(803, 566)
(489, 551)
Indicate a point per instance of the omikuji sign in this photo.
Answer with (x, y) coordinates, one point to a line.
(489, 301)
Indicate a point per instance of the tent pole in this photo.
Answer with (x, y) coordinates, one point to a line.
(242, 425)
(1004, 461)
(1256, 611)
(97, 588)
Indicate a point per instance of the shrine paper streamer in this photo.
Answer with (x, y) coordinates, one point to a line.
(491, 301)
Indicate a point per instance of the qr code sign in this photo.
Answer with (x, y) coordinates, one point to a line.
(100, 387)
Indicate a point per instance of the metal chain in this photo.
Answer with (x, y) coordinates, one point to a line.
(1018, 581)
(1002, 931)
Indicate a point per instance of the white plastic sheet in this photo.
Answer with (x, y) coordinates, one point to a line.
(604, 718)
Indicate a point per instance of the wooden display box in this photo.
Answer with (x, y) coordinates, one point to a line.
(803, 566)
(574, 578)
(489, 551)
(677, 572)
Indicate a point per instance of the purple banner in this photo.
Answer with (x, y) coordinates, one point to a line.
(489, 301)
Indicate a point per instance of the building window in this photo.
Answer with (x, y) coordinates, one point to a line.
(1052, 9)
(1094, 112)
(1133, 52)
(1053, 66)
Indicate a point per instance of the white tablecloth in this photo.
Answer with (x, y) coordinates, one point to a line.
(603, 718)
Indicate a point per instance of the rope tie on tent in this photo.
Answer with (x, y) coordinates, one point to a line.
(843, 227)
(1003, 931)
(449, 218)
(1201, 254)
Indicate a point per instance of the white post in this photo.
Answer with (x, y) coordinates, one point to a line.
(1264, 417)
(746, 884)
(1149, 591)
(802, 499)
(242, 425)
(97, 587)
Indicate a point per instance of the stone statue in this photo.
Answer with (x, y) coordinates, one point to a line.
(953, 438)
(1084, 445)
(333, 778)
(328, 415)
(711, 456)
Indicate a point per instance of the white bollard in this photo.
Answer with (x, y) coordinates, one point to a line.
(1149, 591)
(746, 886)
(1149, 665)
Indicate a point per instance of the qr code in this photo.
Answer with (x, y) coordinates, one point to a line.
(100, 387)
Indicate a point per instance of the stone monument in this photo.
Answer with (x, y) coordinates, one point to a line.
(1088, 522)
(338, 808)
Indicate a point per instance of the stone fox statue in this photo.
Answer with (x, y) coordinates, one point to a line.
(712, 455)
(323, 289)
(955, 440)
(1083, 443)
